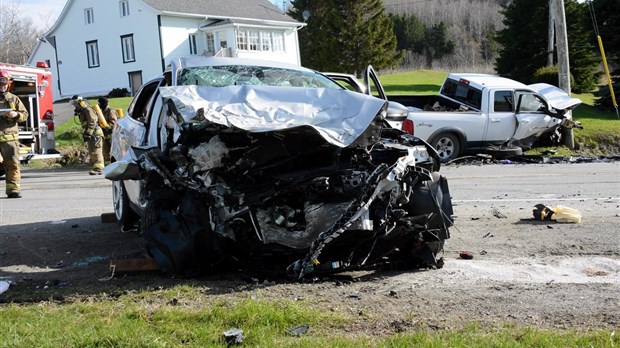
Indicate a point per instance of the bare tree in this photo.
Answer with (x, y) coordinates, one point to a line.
(469, 22)
(18, 34)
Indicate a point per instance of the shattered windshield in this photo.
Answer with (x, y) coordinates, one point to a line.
(231, 75)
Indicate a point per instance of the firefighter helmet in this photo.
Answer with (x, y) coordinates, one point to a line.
(5, 77)
(77, 101)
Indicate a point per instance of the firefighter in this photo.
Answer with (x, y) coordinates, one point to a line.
(92, 135)
(110, 116)
(12, 112)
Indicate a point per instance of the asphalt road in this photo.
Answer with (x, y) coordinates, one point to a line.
(50, 195)
(62, 112)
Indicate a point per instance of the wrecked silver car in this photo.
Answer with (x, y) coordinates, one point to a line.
(273, 167)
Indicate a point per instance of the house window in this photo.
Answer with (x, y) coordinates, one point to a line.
(253, 39)
(89, 16)
(242, 40)
(265, 41)
(210, 42)
(92, 52)
(192, 44)
(278, 42)
(129, 54)
(124, 8)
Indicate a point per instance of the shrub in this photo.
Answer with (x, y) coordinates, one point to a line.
(118, 93)
(549, 74)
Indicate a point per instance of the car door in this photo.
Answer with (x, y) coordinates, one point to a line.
(502, 122)
(396, 112)
(532, 117)
(131, 130)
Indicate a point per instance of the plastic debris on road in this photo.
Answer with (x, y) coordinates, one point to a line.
(559, 213)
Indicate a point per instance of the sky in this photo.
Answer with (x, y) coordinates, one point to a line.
(44, 11)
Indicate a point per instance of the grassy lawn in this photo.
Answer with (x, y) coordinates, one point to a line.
(70, 133)
(184, 316)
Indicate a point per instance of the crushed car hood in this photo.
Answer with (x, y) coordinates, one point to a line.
(557, 98)
(339, 116)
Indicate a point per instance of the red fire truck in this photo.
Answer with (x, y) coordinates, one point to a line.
(33, 85)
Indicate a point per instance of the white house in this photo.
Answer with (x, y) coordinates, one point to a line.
(96, 46)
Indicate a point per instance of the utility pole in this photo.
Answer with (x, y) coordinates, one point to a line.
(556, 7)
(550, 35)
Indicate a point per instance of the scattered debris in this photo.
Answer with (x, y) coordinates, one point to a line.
(593, 272)
(233, 336)
(488, 234)
(59, 264)
(483, 252)
(467, 255)
(145, 264)
(559, 213)
(498, 214)
(298, 331)
(534, 159)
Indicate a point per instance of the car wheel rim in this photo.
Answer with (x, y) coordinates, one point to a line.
(117, 197)
(445, 148)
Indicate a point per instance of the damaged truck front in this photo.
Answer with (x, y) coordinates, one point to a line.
(273, 167)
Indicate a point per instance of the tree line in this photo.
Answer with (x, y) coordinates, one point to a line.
(507, 37)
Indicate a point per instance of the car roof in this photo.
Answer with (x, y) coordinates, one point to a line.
(481, 81)
(197, 61)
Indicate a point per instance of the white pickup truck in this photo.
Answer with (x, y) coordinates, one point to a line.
(476, 112)
(480, 112)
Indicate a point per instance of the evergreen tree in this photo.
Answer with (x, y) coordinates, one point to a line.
(431, 42)
(607, 15)
(345, 35)
(436, 43)
(524, 42)
(409, 31)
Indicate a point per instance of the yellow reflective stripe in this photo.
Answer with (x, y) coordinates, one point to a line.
(12, 187)
(9, 137)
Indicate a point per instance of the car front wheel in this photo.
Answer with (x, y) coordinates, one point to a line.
(123, 212)
(447, 145)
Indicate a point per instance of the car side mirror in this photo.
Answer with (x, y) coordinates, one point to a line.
(396, 112)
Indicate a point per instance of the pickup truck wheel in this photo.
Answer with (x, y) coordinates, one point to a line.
(123, 212)
(447, 145)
